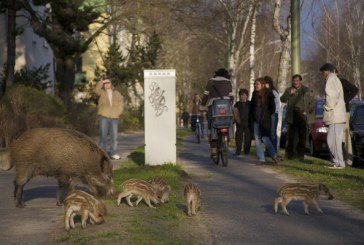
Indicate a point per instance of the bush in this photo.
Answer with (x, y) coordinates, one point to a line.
(132, 119)
(23, 108)
(83, 117)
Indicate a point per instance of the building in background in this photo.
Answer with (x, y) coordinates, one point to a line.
(32, 51)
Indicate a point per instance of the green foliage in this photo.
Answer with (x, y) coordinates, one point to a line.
(132, 119)
(36, 78)
(144, 56)
(67, 19)
(126, 71)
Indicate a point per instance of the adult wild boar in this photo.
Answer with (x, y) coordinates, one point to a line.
(65, 154)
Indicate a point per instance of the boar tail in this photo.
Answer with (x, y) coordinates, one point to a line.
(5, 163)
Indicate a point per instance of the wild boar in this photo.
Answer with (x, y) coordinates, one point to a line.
(65, 154)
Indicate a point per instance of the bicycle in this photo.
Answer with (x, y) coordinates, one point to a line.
(198, 131)
(222, 119)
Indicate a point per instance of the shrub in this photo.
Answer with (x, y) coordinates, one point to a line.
(83, 117)
(23, 108)
(132, 119)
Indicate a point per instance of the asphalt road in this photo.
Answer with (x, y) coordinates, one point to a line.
(238, 203)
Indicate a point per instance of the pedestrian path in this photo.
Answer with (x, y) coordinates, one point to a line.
(237, 202)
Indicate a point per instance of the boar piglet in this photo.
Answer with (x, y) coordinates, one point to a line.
(82, 203)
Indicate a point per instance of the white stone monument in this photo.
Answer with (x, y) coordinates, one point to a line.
(160, 116)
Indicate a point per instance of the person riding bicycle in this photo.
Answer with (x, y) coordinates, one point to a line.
(219, 86)
(196, 111)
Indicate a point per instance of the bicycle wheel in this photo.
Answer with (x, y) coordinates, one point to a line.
(198, 132)
(216, 159)
(224, 151)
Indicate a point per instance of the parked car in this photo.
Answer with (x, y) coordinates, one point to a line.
(357, 134)
(318, 131)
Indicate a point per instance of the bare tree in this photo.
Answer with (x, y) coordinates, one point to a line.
(338, 34)
(285, 36)
(238, 17)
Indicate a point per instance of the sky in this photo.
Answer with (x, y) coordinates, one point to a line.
(310, 13)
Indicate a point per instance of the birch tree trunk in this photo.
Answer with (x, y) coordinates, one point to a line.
(252, 51)
(283, 66)
(285, 36)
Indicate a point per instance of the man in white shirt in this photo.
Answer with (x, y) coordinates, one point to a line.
(334, 114)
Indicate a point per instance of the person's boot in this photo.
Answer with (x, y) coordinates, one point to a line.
(213, 153)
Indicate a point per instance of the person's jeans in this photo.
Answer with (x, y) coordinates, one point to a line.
(273, 136)
(109, 126)
(258, 144)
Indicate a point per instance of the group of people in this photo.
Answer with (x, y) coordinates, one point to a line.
(258, 118)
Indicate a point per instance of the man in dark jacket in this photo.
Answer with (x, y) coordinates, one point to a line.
(217, 87)
(350, 91)
(299, 106)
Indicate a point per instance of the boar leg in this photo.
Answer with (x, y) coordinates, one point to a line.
(277, 201)
(63, 184)
(128, 195)
(147, 201)
(68, 219)
(72, 220)
(138, 200)
(19, 184)
(189, 206)
(305, 205)
(284, 203)
(315, 204)
(194, 207)
(84, 216)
